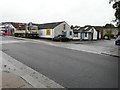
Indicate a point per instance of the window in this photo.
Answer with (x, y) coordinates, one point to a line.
(70, 32)
(75, 34)
(64, 26)
(85, 34)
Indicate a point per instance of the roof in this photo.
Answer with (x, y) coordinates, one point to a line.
(40, 26)
(86, 28)
(48, 25)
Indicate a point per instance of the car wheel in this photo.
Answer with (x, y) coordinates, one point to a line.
(106, 37)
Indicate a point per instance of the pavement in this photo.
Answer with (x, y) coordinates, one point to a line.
(10, 80)
(105, 47)
(115, 53)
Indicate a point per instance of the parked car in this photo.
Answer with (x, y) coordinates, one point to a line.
(117, 41)
(60, 38)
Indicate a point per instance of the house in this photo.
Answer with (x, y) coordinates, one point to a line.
(86, 33)
(50, 30)
(107, 32)
(110, 32)
(90, 33)
(8, 28)
(77, 33)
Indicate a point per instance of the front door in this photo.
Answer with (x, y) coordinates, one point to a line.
(81, 37)
(91, 36)
(97, 35)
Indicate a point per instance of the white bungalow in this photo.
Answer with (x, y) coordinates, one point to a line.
(50, 30)
(87, 33)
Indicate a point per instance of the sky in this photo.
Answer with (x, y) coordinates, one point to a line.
(74, 12)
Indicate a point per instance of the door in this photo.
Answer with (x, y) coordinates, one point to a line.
(81, 37)
(91, 36)
(97, 35)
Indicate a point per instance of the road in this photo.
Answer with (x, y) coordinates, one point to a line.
(69, 68)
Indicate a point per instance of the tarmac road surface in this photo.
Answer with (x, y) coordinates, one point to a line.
(69, 68)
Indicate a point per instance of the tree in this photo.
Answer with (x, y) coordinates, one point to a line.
(113, 0)
(109, 26)
(116, 6)
(72, 27)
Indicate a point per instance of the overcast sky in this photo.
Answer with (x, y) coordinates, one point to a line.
(74, 12)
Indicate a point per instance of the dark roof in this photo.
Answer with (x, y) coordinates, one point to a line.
(83, 29)
(40, 26)
(86, 28)
(48, 25)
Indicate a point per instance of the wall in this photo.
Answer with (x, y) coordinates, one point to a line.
(100, 35)
(78, 37)
(94, 34)
(85, 38)
(43, 33)
(58, 30)
(89, 34)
